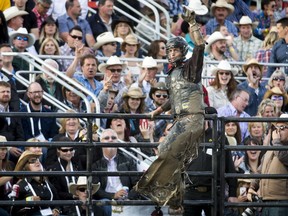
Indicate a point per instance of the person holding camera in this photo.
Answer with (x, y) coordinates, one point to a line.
(273, 162)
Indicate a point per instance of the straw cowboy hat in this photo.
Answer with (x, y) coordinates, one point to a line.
(22, 32)
(113, 60)
(222, 4)
(245, 20)
(224, 65)
(134, 92)
(197, 6)
(158, 86)
(25, 156)
(148, 62)
(104, 38)
(12, 12)
(216, 36)
(130, 39)
(250, 62)
(122, 19)
(276, 91)
(82, 182)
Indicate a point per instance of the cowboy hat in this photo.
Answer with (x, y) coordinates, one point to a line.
(216, 36)
(25, 156)
(12, 12)
(222, 4)
(130, 39)
(224, 65)
(22, 32)
(122, 19)
(284, 115)
(82, 182)
(134, 92)
(250, 62)
(3, 139)
(245, 20)
(197, 7)
(158, 86)
(113, 60)
(148, 62)
(104, 38)
(276, 91)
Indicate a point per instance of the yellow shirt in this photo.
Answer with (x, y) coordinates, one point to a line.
(4, 4)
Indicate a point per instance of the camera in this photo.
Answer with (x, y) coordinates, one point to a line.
(250, 211)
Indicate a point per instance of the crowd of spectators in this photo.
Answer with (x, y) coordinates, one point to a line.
(130, 79)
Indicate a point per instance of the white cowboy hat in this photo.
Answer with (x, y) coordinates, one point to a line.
(148, 62)
(22, 32)
(197, 6)
(216, 36)
(3, 139)
(223, 65)
(245, 20)
(104, 38)
(113, 60)
(222, 4)
(82, 182)
(12, 12)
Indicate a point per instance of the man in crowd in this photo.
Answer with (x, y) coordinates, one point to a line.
(273, 162)
(14, 18)
(40, 10)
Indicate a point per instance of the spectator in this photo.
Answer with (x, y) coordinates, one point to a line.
(106, 44)
(280, 99)
(267, 108)
(40, 10)
(79, 190)
(34, 188)
(257, 131)
(223, 85)
(113, 160)
(48, 29)
(43, 128)
(221, 10)
(49, 85)
(278, 53)
(239, 99)
(30, 20)
(278, 78)
(89, 68)
(14, 18)
(246, 44)
(253, 85)
(273, 162)
(265, 17)
(240, 9)
(101, 21)
(3, 29)
(72, 18)
(263, 54)
(6, 182)
(233, 133)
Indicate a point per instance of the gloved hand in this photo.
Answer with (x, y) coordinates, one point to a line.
(189, 16)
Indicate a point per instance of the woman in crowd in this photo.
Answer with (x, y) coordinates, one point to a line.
(257, 131)
(278, 78)
(72, 100)
(157, 50)
(223, 85)
(6, 182)
(133, 102)
(49, 29)
(34, 188)
(49, 47)
(280, 99)
(263, 54)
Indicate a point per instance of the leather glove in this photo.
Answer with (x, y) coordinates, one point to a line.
(189, 16)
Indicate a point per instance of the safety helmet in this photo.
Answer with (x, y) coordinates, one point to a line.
(177, 42)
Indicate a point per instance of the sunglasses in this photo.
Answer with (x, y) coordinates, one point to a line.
(131, 44)
(76, 37)
(110, 137)
(278, 79)
(115, 70)
(66, 150)
(161, 95)
(33, 160)
(226, 73)
(112, 44)
(282, 127)
(82, 189)
(22, 38)
(276, 97)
